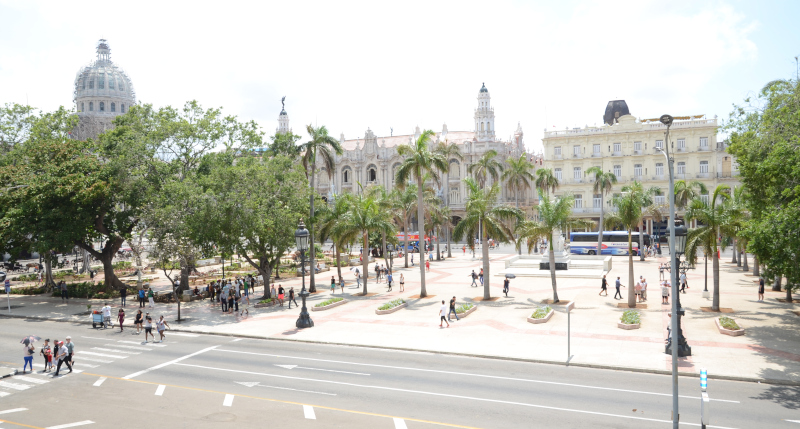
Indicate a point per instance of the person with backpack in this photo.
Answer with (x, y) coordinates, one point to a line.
(474, 279)
(141, 298)
(27, 354)
(47, 353)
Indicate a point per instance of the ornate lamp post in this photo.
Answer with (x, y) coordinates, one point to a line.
(301, 240)
(680, 248)
(390, 250)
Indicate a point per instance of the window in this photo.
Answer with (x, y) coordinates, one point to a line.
(681, 168)
(597, 201)
(101, 82)
(660, 199)
(102, 106)
(455, 197)
(91, 106)
(121, 86)
(489, 126)
(113, 107)
(637, 146)
(83, 83)
(637, 170)
(617, 147)
(346, 176)
(704, 166)
(681, 144)
(660, 144)
(111, 83)
(557, 150)
(596, 149)
(91, 84)
(455, 170)
(659, 169)
(372, 175)
(576, 173)
(81, 106)
(618, 171)
(579, 201)
(481, 126)
(558, 173)
(703, 142)
(704, 198)
(576, 150)
(122, 107)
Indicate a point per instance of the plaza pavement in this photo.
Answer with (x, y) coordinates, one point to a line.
(769, 351)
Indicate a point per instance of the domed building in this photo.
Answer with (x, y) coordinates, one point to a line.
(102, 91)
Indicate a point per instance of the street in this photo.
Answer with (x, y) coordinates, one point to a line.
(197, 381)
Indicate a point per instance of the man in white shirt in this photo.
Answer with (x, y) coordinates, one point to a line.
(107, 316)
(683, 282)
(443, 315)
(62, 355)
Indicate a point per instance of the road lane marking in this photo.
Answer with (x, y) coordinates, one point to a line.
(15, 386)
(85, 364)
(115, 351)
(95, 360)
(99, 381)
(446, 395)
(793, 421)
(174, 361)
(181, 334)
(238, 339)
(95, 338)
(71, 425)
(129, 347)
(399, 423)
(228, 400)
(13, 410)
(144, 343)
(30, 379)
(256, 383)
(160, 390)
(474, 375)
(319, 369)
(4, 394)
(102, 355)
(308, 412)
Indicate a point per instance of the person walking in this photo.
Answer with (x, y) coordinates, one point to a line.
(333, 285)
(402, 282)
(389, 281)
(474, 279)
(161, 325)
(664, 292)
(428, 265)
(603, 286)
(341, 283)
(464, 249)
(683, 283)
(107, 316)
(70, 351)
(661, 271)
(644, 289)
(211, 290)
(121, 318)
(412, 259)
(618, 284)
(291, 297)
(443, 315)
(245, 304)
(27, 354)
(638, 291)
(123, 294)
(150, 297)
(272, 292)
(377, 273)
(62, 355)
(481, 276)
(141, 298)
(137, 321)
(281, 294)
(358, 279)
(761, 288)
(148, 327)
(452, 308)
(506, 282)
(63, 286)
(47, 353)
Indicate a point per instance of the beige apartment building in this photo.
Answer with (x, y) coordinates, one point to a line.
(626, 146)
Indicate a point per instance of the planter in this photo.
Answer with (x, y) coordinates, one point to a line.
(731, 332)
(544, 319)
(392, 310)
(468, 312)
(270, 304)
(329, 306)
(628, 327)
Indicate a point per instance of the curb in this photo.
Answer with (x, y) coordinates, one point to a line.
(770, 381)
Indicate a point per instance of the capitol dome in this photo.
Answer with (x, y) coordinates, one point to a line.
(103, 89)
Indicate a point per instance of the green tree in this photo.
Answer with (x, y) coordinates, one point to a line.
(450, 151)
(404, 202)
(518, 176)
(546, 181)
(284, 144)
(685, 192)
(603, 185)
(420, 163)
(326, 147)
(329, 215)
(16, 122)
(486, 166)
(488, 218)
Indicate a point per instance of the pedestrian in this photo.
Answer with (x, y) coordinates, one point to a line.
(121, 318)
(464, 249)
(474, 279)
(377, 273)
(70, 352)
(62, 355)
(443, 314)
(661, 271)
(618, 285)
(481, 276)
(644, 289)
(341, 283)
(245, 305)
(638, 291)
(358, 279)
(412, 259)
(150, 297)
(39, 278)
(223, 299)
(272, 292)
(452, 308)
(123, 294)
(141, 298)
(107, 316)
(603, 286)
(27, 354)
(47, 354)
(664, 292)
(161, 325)
(761, 288)
(148, 327)
(281, 294)
(333, 285)
(402, 282)
(63, 286)
(389, 281)
(137, 321)
(231, 297)
(291, 297)
(506, 282)
(428, 265)
(683, 283)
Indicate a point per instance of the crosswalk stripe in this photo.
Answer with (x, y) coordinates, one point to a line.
(228, 401)
(308, 412)
(30, 379)
(85, 364)
(15, 386)
(71, 425)
(95, 360)
(160, 390)
(129, 347)
(4, 394)
(115, 351)
(399, 423)
(103, 355)
(180, 334)
(142, 343)
(13, 410)
(99, 382)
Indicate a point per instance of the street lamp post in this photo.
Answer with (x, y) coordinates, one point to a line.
(680, 248)
(390, 251)
(301, 240)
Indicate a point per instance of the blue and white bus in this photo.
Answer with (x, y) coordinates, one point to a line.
(614, 243)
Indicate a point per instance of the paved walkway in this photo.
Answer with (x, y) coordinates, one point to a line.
(770, 350)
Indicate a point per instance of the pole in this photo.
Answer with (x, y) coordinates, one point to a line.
(569, 352)
(675, 292)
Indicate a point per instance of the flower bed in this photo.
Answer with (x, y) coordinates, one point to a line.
(328, 304)
(728, 326)
(541, 315)
(391, 306)
(631, 319)
(466, 309)
(265, 303)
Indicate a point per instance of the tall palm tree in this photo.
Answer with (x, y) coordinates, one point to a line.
(629, 214)
(324, 146)
(546, 181)
(364, 217)
(449, 151)
(420, 161)
(404, 201)
(482, 209)
(739, 205)
(603, 185)
(553, 215)
(685, 192)
(384, 201)
(715, 218)
(518, 175)
(486, 166)
(438, 218)
(329, 215)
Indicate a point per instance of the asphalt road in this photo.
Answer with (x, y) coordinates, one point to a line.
(198, 381)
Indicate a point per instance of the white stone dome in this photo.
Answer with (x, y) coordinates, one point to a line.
(103, 89)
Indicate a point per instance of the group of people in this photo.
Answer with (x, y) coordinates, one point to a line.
(60, 352)
(280, 295)
(476, 277)
(231, 293)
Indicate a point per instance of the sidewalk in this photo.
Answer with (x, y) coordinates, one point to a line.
(769, 351)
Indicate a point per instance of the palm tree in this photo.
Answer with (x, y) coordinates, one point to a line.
(603, 185)
(438, 217)
(716, 218)
(484, 215)
(383, 198)
(404, 201)
(629, 214)
(739, 204)
(419, 162)
(546, 181)
(449, 151)
(685, 192)
(328, 216)
(553, 215)
(518, 175)
(487, 166)
(364, 217)
(325, 146)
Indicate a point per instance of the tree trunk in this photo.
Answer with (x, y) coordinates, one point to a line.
(776, 287)
(600, 227)
(552, 260)
(438, 252)
(87, 258)
(336, 254)
(631, 282)
(738, 255)
(449, 244)
(383, 251)
(365, 261)
(486, 266)
(733, 260)
(405, 228)
(715, 269)
(421, 221)
(447, 204)
(311, 251)
(641, 240)
(788, 292)
(745, 267)
(48, 272)
(756, 267)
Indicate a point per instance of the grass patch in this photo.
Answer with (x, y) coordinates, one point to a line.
(392, 304)
(541, 312)
(463, 308)
(728, 323)
(27, 290)
(631, 317)
(266, 301)
(329, 302)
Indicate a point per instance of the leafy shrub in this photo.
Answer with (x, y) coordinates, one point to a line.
(728, 323)
(27, 290)
(121, 265)
(266, 301)
(392, 304)
(463, 308)
(329, 302)
(25, 278)
(235, 266)
(541, 312)
(630, 317)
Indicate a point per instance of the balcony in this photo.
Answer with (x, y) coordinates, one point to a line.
(576, 180)
(727, 175)
(704, 149)
(557, 156)
(638, 152)
(596, 155)
(658, 177)
(681, 149)
(638, 178)
(617, 153)
(703, 175)
(576, 155)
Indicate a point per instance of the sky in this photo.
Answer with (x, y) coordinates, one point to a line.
(353, 65)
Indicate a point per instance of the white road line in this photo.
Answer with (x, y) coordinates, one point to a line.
(144, 343)
(399, 423)
(95, 360)
(115, 351)
(446, 395)
(30, 379)
(84, 364)
(160, 390)
(251, 384)
(15, 386)
(13, 410)
(793, 421)
(99, 382)
(102, 355)
(71, 425)
(472, 375)
(95, 338)
(228, 401)
(4, 394)
(238, 339)
(136, 374)
(308, 411)
(319, 369)
(130, 347)
(180, 334)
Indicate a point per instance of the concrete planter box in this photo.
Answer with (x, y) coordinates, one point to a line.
(468, 312)
(393, 309)
(544, 319)
(628, 327)
(329, 306)
(731, 332)
(264, 305)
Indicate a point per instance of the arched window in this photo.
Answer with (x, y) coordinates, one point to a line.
(91, 106)
(113, 106)
(122, 107)
(101, 82)
(373, 175)
(481, 126)
(81, 106)
(455, 169)
(489, 126)
(102, 106)
(121, 86)
(111, 83)
(91, 84)
(347, 175)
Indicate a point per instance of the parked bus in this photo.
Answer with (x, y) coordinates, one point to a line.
(614, 243)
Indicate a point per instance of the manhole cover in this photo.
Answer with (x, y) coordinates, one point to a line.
(220, 417)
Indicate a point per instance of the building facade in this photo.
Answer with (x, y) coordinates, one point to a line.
(626, 147)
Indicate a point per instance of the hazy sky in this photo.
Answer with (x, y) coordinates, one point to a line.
(353, 65)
